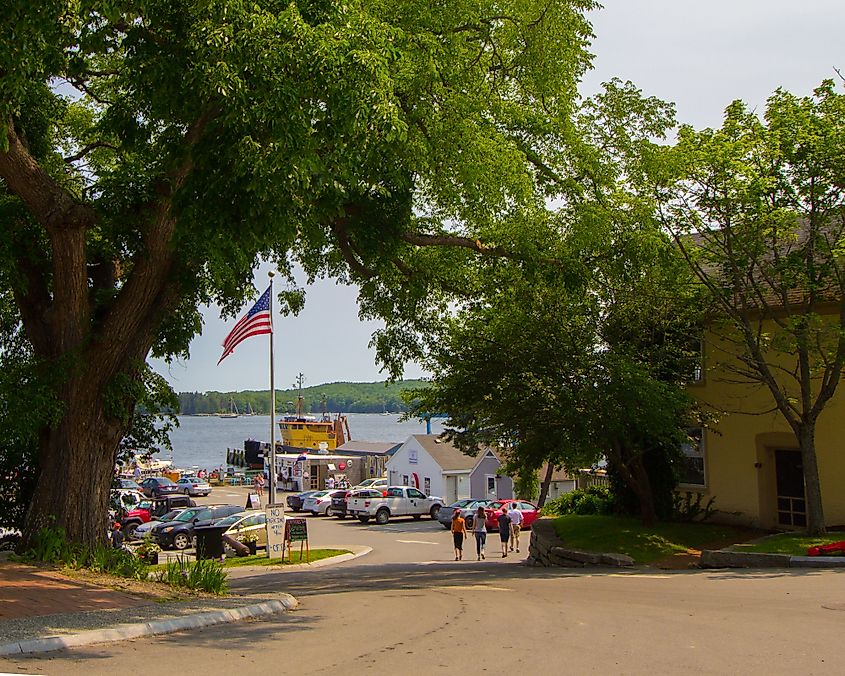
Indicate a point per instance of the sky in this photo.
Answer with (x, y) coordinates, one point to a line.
(699, 55)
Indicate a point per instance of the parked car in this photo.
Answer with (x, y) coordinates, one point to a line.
(179, 533)
(156, 486)
(468, 507)
(320, 503)
(530, 513)
(191, 485)
(379, 484)
(141, 531)
(295, 501)
(129, 485)
(252, 521)
(341, 503)
(150, 510)
(396, 501)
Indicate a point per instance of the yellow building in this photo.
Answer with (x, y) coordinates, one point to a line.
(748, 459)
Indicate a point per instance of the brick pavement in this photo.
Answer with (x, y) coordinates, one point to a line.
(26, 591)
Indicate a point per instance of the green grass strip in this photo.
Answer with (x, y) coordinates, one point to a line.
(793, 544)
(643, 544)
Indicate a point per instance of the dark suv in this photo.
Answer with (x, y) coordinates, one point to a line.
(179, 533)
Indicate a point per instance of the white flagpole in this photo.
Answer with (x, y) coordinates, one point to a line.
(272, 482)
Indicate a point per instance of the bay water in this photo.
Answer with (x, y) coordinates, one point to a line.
(201, 441)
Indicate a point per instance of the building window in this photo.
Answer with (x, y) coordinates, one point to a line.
(697, 372)
(491, 484)
(406, 480)
(427, 486)
(692, 463)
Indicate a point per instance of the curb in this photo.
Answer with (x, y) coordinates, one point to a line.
(130, 631)
(723, 558)
(252, 571)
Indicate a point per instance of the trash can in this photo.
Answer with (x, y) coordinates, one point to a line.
(209, 541)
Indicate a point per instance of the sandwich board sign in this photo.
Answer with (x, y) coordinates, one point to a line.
(276, 532)
(296, 530)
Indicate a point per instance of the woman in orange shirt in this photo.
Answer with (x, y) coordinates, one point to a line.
(459, 531)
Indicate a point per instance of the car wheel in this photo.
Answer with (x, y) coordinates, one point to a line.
(340, 515)
(382, 517)
(329, 511)
(435, 510)
(469, 520)
(181, 541)
(130, 530)
(363, 519)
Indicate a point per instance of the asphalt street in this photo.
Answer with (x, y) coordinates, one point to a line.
(408, 608)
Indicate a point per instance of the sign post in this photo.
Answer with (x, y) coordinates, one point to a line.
(276, 532)
(296, 530)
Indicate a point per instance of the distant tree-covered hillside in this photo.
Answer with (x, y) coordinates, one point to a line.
(339, 397)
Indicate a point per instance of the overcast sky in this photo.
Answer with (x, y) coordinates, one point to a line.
(699, 55)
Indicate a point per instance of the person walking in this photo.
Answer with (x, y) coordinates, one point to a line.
(516, 525)
(459, 530)
(479, 530)
(504, 522)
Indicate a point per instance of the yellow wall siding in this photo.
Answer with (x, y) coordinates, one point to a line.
(739, 448)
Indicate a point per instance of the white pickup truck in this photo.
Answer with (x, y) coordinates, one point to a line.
(396, 501)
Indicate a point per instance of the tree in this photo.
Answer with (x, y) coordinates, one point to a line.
(563, 363)
(151, 152)
(758, 209)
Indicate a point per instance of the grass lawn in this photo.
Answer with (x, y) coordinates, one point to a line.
(643, 544)
(263, 560)
(794, 544)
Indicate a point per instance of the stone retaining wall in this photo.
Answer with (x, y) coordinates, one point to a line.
(548, 550)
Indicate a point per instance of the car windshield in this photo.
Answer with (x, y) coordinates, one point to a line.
(164, 481)
(171, 515)
(368, 482)
(318, 494)
(230, 520)
(460, 503)
(187, 515)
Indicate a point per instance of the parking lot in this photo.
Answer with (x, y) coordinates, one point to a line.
(403, 540)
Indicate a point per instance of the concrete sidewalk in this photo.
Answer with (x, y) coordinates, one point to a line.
(42, 610)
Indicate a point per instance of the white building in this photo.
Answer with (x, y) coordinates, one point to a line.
(436, 467)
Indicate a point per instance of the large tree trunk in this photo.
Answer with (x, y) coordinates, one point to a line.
(76, 468)
(812, 485)
(544, 486)
(630, 465)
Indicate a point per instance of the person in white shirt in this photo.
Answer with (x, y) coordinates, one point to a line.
(516, 525)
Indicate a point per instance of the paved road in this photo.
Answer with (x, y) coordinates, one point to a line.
(472, 619)
(408, 608)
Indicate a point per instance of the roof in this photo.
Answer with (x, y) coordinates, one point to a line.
(369, 447)
(445, 454)
(557, 475)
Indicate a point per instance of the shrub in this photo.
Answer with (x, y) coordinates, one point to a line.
(50, 545)
(591, 500)
(204, 575)
(688, 507)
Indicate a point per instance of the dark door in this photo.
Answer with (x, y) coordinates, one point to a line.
(792, 507)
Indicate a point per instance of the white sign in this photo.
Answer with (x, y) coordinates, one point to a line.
(275, 532)
(412, 456)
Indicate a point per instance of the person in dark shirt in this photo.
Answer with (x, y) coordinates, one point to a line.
(116, 536)
(504, 529)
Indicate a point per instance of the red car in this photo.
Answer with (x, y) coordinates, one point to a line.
(530, 512)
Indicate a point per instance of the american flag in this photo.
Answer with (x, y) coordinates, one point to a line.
(254, 323)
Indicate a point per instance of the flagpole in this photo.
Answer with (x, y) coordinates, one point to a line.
(272, 482)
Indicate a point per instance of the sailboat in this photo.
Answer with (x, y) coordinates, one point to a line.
(233, 410)
(249, 410)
